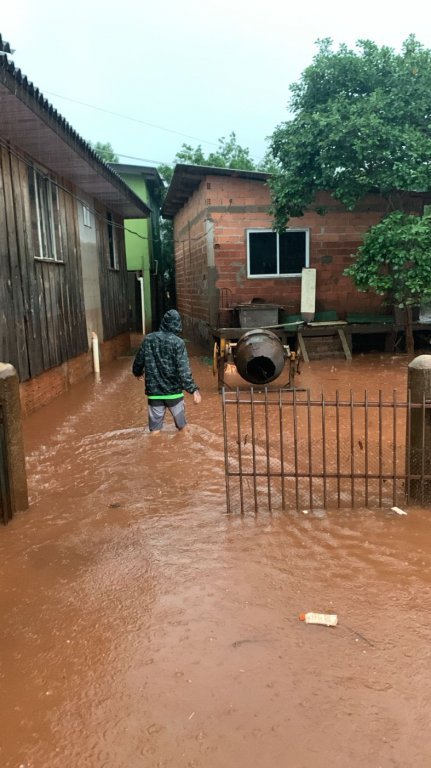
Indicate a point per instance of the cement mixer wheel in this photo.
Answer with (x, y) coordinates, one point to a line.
(218, 353)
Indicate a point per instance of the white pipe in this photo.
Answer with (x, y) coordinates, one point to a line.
(95, 347)
(141, 280)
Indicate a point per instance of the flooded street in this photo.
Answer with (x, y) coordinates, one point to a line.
(142, 626)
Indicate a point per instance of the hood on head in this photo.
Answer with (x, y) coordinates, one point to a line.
(171, 322)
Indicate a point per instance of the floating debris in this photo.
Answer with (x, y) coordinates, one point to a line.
(327, 619)
(398, 511)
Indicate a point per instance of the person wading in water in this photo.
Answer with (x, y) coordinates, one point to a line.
(163, 358)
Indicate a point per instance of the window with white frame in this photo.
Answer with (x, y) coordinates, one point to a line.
(112, 242)
(86, 216)
(277, 254)
(44, 198)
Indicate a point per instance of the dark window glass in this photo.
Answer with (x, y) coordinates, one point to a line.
(292, 252)
(263, 253)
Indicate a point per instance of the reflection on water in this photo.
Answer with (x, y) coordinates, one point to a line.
(142, 626)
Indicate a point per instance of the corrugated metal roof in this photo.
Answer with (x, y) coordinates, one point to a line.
(187, 178)
(28, 121)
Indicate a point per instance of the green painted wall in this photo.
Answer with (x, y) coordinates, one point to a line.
(138, 249)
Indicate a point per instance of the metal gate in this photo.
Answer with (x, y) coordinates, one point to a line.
(5, 497)
(285, 450)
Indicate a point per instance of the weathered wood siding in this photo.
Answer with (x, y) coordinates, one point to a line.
(41, 301)
(42, 312)
(113, 282)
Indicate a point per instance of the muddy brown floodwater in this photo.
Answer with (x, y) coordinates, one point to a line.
(142, 626)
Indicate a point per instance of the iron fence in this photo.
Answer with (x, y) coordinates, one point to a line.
(285, 449)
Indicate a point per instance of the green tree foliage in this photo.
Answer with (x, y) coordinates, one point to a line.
(229, 154)
(106, 151)
(268, 164)
(361, 121)
(394, 260)
(166, 172)
(167, 265)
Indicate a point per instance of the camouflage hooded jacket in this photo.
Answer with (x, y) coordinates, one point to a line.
(163, 358)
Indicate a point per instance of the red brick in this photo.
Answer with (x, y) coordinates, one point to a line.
(41, 390)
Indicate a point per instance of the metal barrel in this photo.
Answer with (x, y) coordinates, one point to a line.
(259, 356)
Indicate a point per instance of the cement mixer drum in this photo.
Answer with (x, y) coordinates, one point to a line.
(259, 356)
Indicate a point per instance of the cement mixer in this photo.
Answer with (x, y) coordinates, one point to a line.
(259, 357)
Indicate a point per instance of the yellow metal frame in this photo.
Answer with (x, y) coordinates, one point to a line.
(223, 348)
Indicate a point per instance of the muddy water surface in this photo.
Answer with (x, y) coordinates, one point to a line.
(142, 626)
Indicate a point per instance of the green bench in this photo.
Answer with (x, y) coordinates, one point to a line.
(364, 318)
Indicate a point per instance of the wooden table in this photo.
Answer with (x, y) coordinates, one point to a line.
(296, 337)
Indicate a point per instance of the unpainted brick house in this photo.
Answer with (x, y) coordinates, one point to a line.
(226, 251)
(63, 273)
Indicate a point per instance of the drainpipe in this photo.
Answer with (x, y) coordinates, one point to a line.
(141, 280)
(95, 348)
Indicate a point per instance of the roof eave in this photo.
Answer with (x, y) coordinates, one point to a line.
(30, 122)
(187, 178)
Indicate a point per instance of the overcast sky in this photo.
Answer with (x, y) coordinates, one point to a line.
(185, 70)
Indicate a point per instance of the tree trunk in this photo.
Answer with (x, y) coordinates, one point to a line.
(410, 342)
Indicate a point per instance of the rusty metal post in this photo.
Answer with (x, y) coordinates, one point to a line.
(419, 426)
(11, 406)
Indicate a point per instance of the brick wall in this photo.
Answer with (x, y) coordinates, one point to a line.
(333, 238)
(191, 264)
(231, 206)
(42, 389)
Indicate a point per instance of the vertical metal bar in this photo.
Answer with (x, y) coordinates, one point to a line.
(324, 451)
(280, 408)
(352, 449)
(423, 452)
(394, 447)
(268, 462)
(380, 448)
(310, 454)
(408, 444)
(239, 441)
(337, 428)
(295, 448)
(226, 454)
(253, 445)
(366, 463)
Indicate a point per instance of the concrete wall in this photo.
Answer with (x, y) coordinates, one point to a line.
(90, 272)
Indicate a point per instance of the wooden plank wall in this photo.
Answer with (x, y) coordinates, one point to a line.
(113, 282)
(42, 314)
